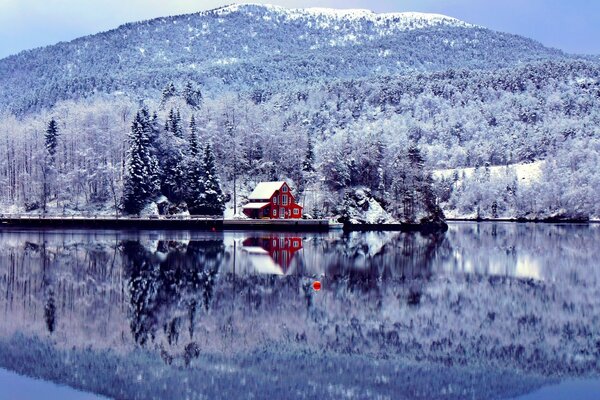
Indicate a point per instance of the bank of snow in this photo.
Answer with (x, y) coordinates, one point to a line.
(526, 173)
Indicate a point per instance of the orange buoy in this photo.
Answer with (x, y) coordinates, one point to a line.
(316, 286)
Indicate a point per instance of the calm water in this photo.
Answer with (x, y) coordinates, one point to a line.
(484, 311)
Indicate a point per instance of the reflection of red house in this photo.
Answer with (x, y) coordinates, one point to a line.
(272, 200)
(281, 249)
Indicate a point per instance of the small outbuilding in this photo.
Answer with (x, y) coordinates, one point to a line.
(272, 200)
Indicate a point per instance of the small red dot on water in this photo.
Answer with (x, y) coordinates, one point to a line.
(316, 286)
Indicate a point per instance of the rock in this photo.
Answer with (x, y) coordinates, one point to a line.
(360, 207)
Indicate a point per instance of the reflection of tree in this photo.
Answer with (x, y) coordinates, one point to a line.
(167, 285)
(50, 312)
(356, 263)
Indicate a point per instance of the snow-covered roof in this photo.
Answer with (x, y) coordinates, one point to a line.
(255, 206)
(264, 190)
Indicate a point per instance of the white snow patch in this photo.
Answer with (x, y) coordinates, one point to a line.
(226, 61)
(326, 17)
(527, 173)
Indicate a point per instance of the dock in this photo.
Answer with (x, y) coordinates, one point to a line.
(166, 223)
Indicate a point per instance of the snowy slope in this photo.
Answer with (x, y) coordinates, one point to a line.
(526, 173)
(319, 17)
(249, 46)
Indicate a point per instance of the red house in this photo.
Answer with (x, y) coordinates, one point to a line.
(272, 200)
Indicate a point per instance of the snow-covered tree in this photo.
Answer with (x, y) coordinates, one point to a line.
(192, 95)
(309, 158)
(205, 196)
(51, 139)
(168, 92)
(141, 183)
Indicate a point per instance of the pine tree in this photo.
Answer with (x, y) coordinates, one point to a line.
(177, 127)
(192, 95)
(196, 192)
(309, 158)
(48, 168)
(173, 123)
(173, 175)
(51, 139)
(194, 149)
(195, 171)
(168, 92)
(141, 180)
(206, 196)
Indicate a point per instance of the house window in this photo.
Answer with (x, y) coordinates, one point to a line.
(296, 211)
(284, 199)
(284, 189)
(274, 212)
(275, 200)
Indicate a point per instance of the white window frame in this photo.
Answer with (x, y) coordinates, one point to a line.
(296, 211)
(275, 200)
(274, 212)
(284, 200)
(284, 189)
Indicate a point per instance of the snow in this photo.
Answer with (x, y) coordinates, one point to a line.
(527, 173)
(398, 20)
(364, 209)
(255, 206)
(265, 190)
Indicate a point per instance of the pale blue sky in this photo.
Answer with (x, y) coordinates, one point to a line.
(570, 25)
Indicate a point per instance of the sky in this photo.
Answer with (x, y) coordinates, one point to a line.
(570, 25)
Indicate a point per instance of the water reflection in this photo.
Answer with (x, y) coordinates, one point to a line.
(176, 306)
(272, 254)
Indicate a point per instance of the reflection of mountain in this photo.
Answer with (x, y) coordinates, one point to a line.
(166, 307)
(272, 254)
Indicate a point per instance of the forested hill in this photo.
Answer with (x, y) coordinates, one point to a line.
(245, 47)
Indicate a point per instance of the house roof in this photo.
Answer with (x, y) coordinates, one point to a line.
(264, 190)
(255, 206)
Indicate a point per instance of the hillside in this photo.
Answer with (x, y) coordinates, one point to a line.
(328, 100)
(252, 46)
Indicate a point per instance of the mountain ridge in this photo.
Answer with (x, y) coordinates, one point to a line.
(243, 47)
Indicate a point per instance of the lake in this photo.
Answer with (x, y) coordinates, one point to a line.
(482, 311)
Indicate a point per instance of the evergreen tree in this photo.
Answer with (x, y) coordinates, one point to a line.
(141, 180)
(173, 175)
(309, 159)
(168, 92)
(196, 191)
(194, 147)
(215, 201)
(173, 123)
(206, 196)
(192, 95)
(48, 168)
(51, 139)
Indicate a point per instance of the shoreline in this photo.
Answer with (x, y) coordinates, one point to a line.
(525, 220)
(209, 224)
(220, 224)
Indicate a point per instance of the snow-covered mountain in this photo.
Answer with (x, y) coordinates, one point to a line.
(347, 92)
(249, 46)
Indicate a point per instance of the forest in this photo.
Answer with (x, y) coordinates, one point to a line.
(386, 135)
